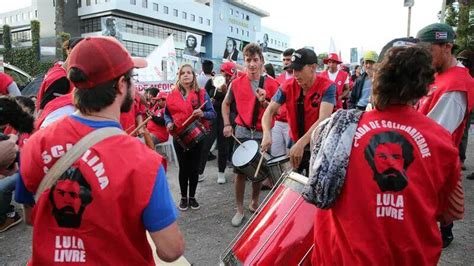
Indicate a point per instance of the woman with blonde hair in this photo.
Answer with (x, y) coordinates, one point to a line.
(188, 110)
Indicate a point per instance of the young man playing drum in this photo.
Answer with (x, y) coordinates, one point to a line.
(251, 101)
(309, 100)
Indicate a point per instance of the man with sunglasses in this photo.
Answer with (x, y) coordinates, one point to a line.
(450, 98)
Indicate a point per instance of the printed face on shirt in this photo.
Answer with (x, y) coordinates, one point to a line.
(69, 198)
(66, 196)
(253, 64)
(389, 155)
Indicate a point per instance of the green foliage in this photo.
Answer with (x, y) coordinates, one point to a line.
(64, 37)
(451, 16)
(25, 59)
(464, 32)
(7, 37)
(35, 39)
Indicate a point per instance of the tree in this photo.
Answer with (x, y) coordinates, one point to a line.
(35, 39)
(7, 37)
(59, 27)
(459, 17)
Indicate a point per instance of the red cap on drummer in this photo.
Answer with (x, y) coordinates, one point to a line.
(228, 68)
(102, 59)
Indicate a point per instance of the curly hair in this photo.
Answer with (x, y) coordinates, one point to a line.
(402, 77)
(252, 49)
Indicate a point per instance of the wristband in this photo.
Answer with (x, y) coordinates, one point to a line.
(227, 125)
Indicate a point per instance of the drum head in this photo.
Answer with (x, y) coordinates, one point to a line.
(245, 153)
(279, 159)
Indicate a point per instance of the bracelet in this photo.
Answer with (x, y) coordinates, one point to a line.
(227, 125)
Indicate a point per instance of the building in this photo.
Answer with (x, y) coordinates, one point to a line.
(221, 27)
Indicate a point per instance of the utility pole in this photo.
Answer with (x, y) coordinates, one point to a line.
(443, 11)
(409, 4)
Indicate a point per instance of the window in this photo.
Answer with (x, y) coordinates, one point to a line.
(243, 32)
(21, 36)
(96, 2)
(231, 29)
(208, 22)
(184, 15)
(231, 11)
(243, 16)
(237, 13)
(155, 7)
(88, 2)
(145, 3)
(237, 30)
(248, 34)
(24, 16)
(31, 14)
(79, 4)
(200, 20)
(6, 20)
(165, 10)
(36, 13)
(91, 25)
(133, 2)
(17, 17)
(193, 17)
(247, 17)
(175, 12)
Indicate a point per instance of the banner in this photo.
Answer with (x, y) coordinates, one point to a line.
(192, 46)
(162, 64)
(408, 3)
(231, 51)
(165, 85)
(110, 27)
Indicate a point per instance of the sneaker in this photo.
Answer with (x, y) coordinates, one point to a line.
(194, 204)
(201, 177)
(237, 219)
(183, 204)
(463, 167)
(12, 219)
(221, 178)
(470, 176)
(211, 157)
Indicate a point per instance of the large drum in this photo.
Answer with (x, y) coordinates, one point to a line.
(191, 135)
(246, 158)
(277, 166)
(281, 231)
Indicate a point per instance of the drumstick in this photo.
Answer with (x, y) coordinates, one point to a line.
(140, 126)
(236, 139)
(259, 165)
(191, 116)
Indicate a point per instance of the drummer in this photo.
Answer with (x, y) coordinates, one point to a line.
(156, 126)
(183, 102)
(309, 100)
(251, 99)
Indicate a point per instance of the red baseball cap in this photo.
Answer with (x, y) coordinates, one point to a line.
(161, 95)
(228, 68)
(333, 57)
(102, 59)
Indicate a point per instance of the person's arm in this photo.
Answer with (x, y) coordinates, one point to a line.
(13, 89)
(168, 120)
(346, 89)
(8, 150)
(325, 111)
(271, 110)
(229, 98)
(159, 218)
(450, 110)
(208, 109)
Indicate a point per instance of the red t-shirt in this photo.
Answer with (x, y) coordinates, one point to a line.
(375, 222)
(106, 204)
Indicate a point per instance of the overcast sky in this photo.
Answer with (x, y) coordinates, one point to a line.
(365, 24)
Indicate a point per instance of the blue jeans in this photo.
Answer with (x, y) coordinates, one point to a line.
(7, 186)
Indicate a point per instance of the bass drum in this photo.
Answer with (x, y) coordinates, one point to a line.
(281, 231)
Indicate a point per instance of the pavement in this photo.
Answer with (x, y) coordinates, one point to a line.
(208, 231)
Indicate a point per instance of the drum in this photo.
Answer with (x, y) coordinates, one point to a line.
(278, 166)
(246, 158)
(191, 135)
(280, 232)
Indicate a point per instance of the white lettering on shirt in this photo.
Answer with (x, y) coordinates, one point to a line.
(411, 131)
(389, 205)
(69, 249)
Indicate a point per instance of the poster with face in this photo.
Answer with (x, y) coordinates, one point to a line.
(110, 27)
(231, 51)
(262, 39)
(192, 46)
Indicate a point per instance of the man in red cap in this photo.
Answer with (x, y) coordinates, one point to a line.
(156, 126)
(339, 77)
(118, 179)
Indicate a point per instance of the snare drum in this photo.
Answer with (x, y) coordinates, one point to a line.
(191, 135)
(280, 233)
(278, 166)
(246, 158)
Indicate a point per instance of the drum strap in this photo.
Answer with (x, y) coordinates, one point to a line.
(300, 114)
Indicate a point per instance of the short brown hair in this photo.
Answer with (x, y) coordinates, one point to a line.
(402, 77)
(97, 98)
(252, 49)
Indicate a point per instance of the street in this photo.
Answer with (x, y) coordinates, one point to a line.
(208, 231)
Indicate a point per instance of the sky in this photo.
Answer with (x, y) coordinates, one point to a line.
(363, 24)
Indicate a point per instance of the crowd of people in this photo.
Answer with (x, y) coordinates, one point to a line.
(388, 142)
